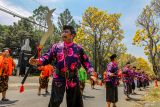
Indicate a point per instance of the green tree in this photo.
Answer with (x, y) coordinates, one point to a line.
(3, 29)
(39, 16)
(66, 18)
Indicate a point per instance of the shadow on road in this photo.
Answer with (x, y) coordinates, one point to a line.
(45, 95)
(138, 94)
(96, 89)
(8, 102)
(137, 100)
(87, 97)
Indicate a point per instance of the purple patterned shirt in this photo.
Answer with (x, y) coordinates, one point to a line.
(139, 76)
(67, 58)
(112, 67)
(132, 75)
(144, 77)
(127, 74)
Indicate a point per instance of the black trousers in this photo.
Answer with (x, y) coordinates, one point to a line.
(111, 93)
(73, 94)
(127, 88)
(139, 84)
(133, 86)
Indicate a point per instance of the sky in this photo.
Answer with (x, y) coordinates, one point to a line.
(130, 10)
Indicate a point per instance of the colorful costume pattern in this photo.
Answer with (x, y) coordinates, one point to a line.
(127, 81)
(68, 59)
(139, 79)
(132, 76)
(112, 83)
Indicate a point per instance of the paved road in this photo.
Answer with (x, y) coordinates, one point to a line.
(93, 98)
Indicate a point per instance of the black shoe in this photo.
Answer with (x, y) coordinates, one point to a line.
(4, 99)
(47, 92)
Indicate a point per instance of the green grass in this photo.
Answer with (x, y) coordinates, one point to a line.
(153, 95)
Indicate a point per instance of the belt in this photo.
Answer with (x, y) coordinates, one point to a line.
(67, 74)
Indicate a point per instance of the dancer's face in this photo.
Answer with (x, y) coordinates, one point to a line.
(134, 69)
(6, 53)
(128, 65)
(67, 36)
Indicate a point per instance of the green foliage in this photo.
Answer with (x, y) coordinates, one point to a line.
(39, 16)
(14, 35)
(65, 18)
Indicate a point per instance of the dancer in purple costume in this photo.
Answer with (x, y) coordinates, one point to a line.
(112, 82)
(68, 58)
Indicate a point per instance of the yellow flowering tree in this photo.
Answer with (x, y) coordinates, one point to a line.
(102, 32)
(142, 64)
(124, 58)
(148, 36)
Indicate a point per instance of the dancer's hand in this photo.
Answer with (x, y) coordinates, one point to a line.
(33, 61)
(112, 74)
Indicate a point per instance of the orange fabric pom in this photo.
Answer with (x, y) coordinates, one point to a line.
(11, 65)
(46, 71)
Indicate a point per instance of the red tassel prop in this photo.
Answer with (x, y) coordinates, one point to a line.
(21, 89)
(100, 83)
(39, 52)
(156, 83)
